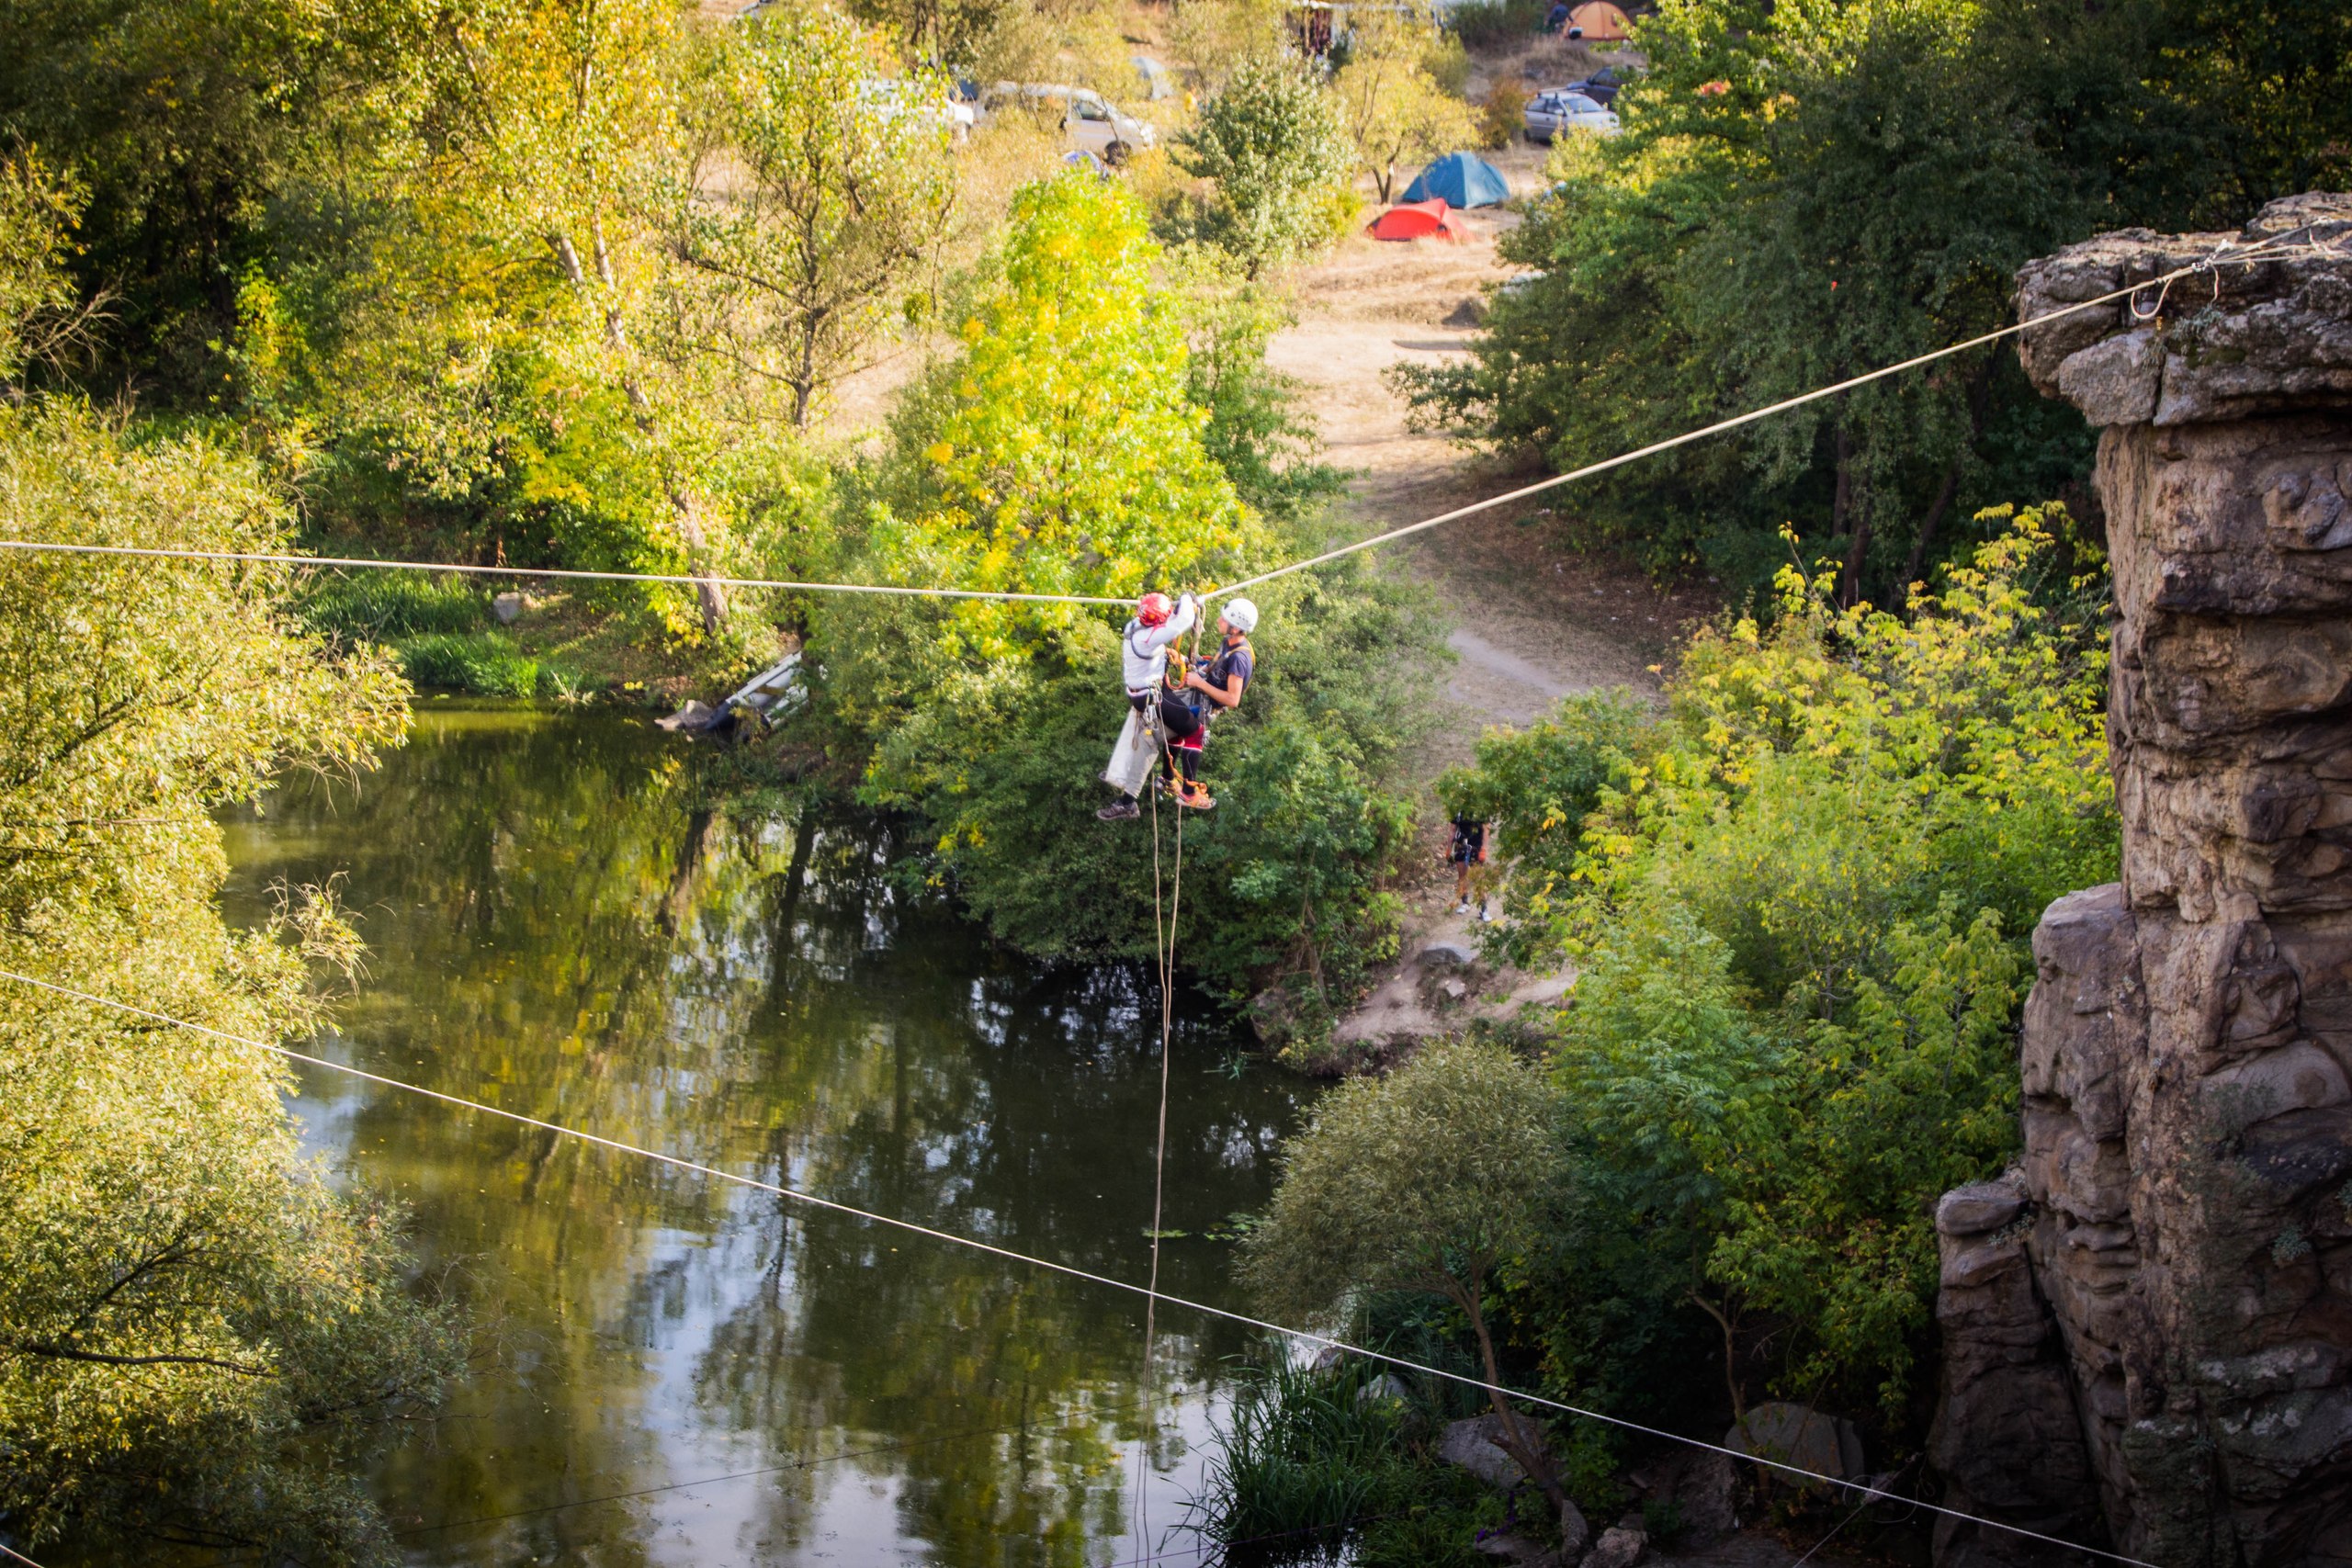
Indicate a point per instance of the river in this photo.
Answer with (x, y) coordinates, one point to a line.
(671, 1369)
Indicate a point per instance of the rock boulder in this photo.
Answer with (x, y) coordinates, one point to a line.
(1471, 1444)
(1618, 1547)
(1802, 1439)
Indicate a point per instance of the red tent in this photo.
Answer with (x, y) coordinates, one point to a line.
(1415, 220)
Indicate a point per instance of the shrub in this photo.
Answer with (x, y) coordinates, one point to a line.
(1537, 785)
(1502, 116)
(1801, 905)
(1273, 143)
(370, 606)
(1298, 1457)
(1307, 1463)
(484, 664)
(1489, 24)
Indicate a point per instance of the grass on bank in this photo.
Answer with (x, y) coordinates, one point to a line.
(565, 646)
(1309, 1463)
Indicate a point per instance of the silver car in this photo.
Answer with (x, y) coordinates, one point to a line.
(1090, 121)
(1550, 113)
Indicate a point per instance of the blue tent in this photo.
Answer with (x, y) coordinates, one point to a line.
(1464, 179)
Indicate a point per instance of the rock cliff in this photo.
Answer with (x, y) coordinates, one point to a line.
(2148, 1327)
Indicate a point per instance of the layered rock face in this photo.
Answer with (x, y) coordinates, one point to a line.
(2149, 1325)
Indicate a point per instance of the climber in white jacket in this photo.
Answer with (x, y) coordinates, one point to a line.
(1155, 715)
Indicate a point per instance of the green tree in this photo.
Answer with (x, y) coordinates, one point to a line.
(1805, 192)
(541, 135)
(42, 321)
(1273, 143)
(1394, 110)
(184, 122)
(1799, 901)
(1063, 450)
(809, 197)
(1057, 454)
(199, 1337)
(1426, 1180)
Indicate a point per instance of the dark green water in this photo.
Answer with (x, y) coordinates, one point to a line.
(553, 930)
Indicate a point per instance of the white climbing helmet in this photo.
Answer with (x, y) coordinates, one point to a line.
(1242, 617)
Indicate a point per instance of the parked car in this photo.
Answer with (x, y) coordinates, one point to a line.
(1091, 123)
(1601, 85)
(1549, 113)
(895, 96)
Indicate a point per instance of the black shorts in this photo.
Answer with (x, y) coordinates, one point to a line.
(1177, 722)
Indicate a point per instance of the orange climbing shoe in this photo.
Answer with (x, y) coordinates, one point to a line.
(1192, 795)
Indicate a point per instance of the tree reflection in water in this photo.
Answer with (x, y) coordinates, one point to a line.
(554, 930)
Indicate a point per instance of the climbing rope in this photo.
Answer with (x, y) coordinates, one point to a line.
(1164, 947)
(2228, 253)
(261, 558)
(1068, 1270)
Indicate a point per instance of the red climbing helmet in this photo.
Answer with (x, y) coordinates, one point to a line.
(1153, 609)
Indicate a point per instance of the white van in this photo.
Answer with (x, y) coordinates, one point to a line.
(1091, 123)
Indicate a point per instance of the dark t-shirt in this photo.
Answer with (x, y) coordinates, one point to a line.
(1230, 661)
(1469, 838)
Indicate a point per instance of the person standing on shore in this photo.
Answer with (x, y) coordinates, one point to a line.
(1468, 854)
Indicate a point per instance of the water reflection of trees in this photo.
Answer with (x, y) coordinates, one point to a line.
(553, 929)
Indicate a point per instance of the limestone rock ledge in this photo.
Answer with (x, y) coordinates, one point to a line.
(2158, 1336)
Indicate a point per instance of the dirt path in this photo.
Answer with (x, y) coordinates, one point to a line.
(1532, 623)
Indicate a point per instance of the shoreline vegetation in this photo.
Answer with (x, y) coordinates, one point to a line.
(579, 286)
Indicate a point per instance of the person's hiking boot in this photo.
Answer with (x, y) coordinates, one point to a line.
(1120, 811)
(1194, 796)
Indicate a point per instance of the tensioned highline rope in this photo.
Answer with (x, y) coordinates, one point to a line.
(261, 558)
(2229, 253)
(1067, 1269)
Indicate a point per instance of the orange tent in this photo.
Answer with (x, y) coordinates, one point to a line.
(1597, 21)
(1415, 220)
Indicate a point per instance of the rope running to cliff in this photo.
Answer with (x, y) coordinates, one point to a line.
(1065, 1270)
(2228, 253)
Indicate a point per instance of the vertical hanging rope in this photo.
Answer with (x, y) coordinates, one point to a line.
(1164, 948)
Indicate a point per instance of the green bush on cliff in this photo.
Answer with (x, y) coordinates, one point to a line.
(1800, 900)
